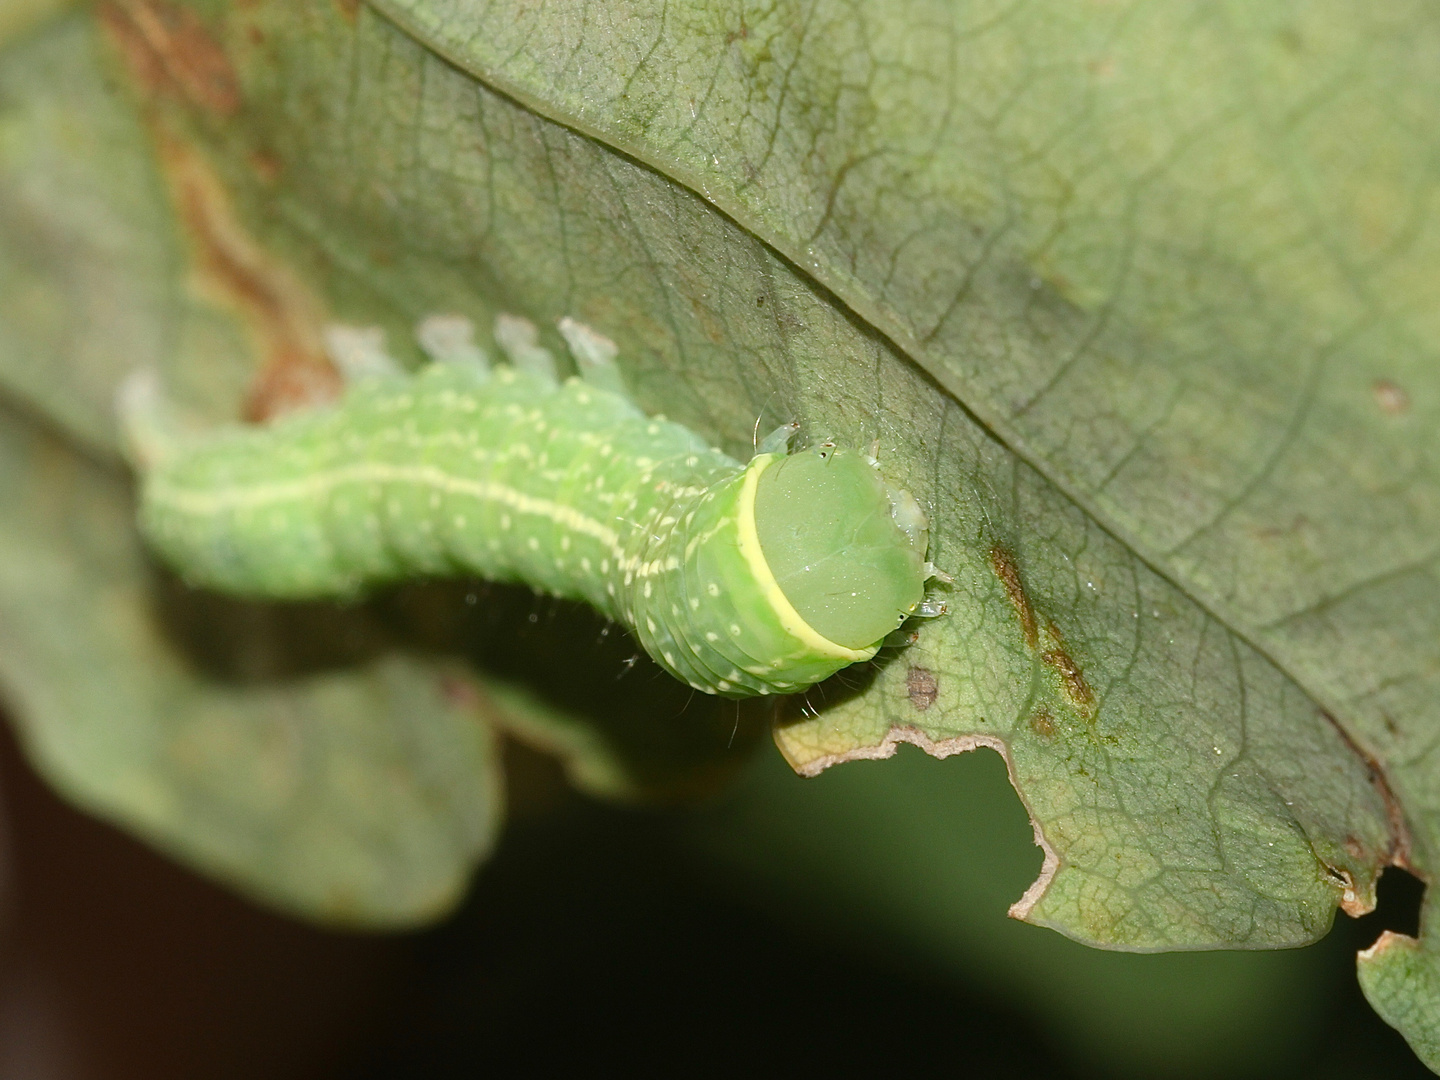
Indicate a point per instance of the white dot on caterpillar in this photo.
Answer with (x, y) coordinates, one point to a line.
(694, 603)
(459, 521)
(735, 631)
(713, 589)
(564, 543)
(722, 685)
(585, 565)
(647, 588)
(669, 658)
(650, 624)
(533, 543)
(711, 636)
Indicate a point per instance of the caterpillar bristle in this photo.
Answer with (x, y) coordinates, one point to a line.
(594, 355)
(520, 341)
(450, 339)
(359, 352)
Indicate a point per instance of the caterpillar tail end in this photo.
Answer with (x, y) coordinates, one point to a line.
(150, 429)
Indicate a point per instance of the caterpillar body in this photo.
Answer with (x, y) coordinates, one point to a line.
(739, 579)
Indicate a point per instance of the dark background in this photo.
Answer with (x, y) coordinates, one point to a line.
(598, 939)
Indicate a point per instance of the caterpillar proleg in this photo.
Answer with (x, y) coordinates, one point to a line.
(740, 579)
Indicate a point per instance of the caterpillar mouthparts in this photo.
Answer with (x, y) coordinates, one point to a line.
(739, 579)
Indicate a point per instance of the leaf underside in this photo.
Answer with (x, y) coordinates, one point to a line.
(1132, 299)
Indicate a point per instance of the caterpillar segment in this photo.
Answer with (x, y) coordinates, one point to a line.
(740, 579)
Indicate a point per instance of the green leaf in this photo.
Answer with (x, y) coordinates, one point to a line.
(1176, 257)
(1130, 296)
(1192, 795)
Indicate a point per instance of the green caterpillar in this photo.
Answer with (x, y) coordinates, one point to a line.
(739, 579)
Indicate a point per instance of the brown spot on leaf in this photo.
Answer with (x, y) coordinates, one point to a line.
(1072, 680)
(349, 9)
(170, 52)
(922, 687)
(234, 271)
(1005, 569)
(1392, 399)
(266, 165)
(1042, 723)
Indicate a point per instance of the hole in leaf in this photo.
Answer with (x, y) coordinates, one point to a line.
(1399, 895)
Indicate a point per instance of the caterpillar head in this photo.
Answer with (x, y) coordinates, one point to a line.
(846, 549)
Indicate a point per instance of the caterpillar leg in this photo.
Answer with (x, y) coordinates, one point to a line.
(450, 339)
(595, 356)
(934, 573)
(359, 352)
(779, 440)
(519, 341)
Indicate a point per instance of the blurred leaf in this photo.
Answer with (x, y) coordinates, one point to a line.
(364, 798)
